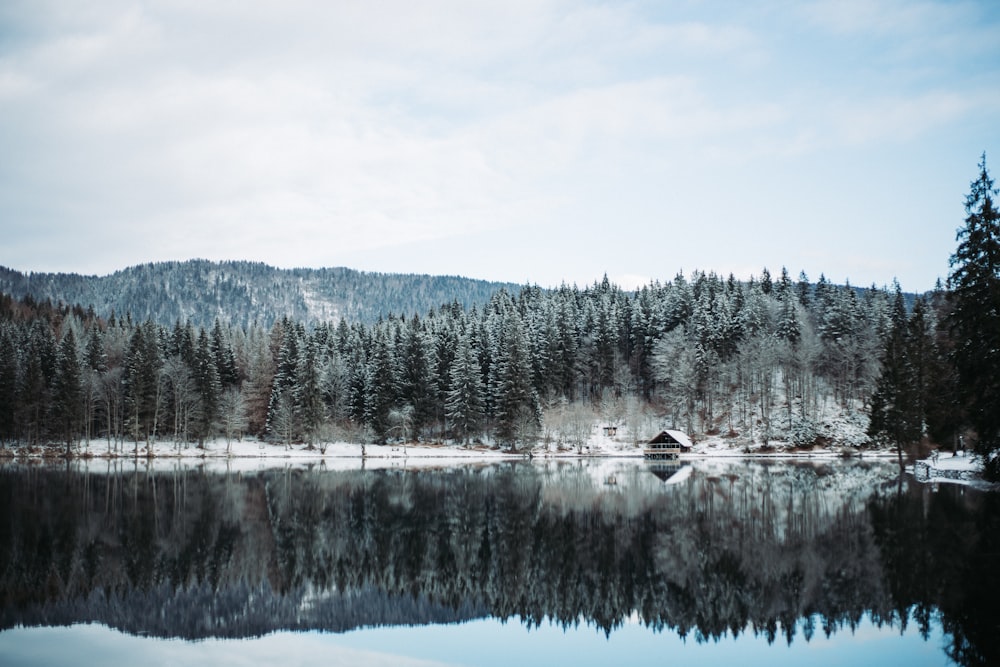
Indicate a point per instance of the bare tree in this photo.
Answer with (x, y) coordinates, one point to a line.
(233, 415)
(184, 392)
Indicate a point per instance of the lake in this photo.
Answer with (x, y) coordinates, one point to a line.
(582, 562)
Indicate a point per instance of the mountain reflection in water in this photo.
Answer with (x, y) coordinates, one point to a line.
(772, 549)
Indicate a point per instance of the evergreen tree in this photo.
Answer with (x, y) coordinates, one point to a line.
(465, 405)
(380, 386)
(37, 371)
(142, 365)
(417, 376)
(282, 399)
(258, 368)
(335, 376)
(896, 414)
(8, 384)
(804, 290)
(94, 356)
(765, 282)
(944, 409)
(225, 360)
(567, 345)
(516, 409)
(208, 388)
(93, 367)
(307, 391)
(788, 327)
(67, 391)
(975, 314)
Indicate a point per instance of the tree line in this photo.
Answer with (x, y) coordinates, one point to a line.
(763, 360)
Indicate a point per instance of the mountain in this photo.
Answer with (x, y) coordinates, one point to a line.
(243, 292)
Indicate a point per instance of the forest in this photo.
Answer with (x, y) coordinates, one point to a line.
(762, 361)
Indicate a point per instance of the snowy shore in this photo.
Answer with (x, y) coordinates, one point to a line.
(251, 454)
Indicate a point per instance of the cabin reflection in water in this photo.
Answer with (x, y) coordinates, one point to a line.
(667, 470)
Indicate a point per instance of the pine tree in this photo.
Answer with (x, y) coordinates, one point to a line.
(975, 315)
(8, 384)
(567, 345)
(94, 355)
(417, 377)
(465, 405)
(93, 367)
(142, 365)
(896, 413)
(515, 402)
(67, 391)
(766, 285)
(307, 392)
(208, 388)
(282, 400)
(380, 386)
(34, 395)
(944, 411)
(225, 360)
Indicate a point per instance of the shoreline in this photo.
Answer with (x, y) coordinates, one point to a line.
(262, 451)
(255, 455)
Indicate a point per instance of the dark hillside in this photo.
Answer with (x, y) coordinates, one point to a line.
(245, 292)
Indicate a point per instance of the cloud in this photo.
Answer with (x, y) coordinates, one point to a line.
(304, 131)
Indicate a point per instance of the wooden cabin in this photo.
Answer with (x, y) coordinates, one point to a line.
(667, 445)
(610, 431)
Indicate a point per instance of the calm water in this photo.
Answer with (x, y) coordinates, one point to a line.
(560, 563)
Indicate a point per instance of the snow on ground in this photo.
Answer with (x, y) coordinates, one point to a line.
(253, 454)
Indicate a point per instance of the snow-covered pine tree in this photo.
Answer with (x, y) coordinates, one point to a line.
(465, 405)
(281, 399)
(380, 385)
(67, 391)
(517, 413)
(307, 391)
(208, 387)
(222, 354)
(418, 375)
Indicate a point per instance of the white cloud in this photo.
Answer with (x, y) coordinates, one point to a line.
(283, 130)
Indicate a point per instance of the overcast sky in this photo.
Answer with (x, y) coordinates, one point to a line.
(540, 141)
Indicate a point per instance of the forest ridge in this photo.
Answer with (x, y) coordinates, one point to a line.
(241, 293)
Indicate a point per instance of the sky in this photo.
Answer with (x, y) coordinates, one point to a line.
(530, 141)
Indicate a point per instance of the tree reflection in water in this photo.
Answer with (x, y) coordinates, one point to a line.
(772, 549)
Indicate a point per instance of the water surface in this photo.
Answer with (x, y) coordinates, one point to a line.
(589, 562)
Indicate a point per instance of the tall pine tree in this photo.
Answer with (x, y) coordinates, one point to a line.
(975, 315)
(896, 414)
(515, 402)
(465, 403)
(67, 390)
